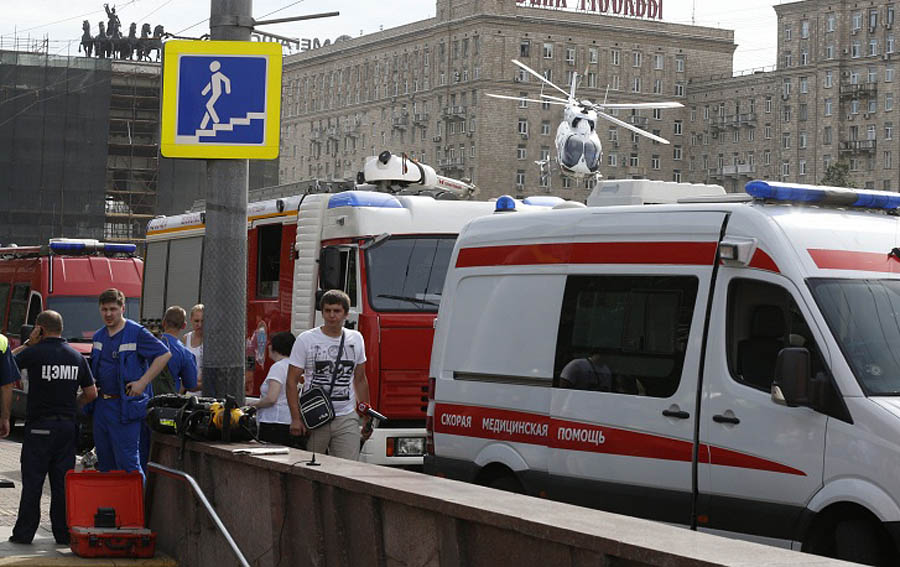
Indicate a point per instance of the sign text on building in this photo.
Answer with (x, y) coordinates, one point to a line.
(651, 9)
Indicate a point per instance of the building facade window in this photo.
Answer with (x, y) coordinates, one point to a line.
(548, 51)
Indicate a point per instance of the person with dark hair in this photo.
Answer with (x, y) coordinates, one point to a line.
(273, 415)
(333, 358)
(126, 357)
(55, 371)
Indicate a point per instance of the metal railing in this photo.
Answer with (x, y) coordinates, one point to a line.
(181, 475)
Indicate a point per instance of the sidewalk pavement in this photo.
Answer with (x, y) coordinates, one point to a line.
(43, 550)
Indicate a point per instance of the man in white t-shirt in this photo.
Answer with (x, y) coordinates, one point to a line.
(312, 361)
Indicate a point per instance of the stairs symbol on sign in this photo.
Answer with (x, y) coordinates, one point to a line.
(229, 126)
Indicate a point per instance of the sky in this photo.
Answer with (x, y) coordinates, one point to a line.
(59, 21)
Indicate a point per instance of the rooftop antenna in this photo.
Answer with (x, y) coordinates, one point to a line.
(694, 12)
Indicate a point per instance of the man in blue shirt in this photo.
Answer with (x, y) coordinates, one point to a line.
(182, 366)
(9, 373)
(126, 357)
(55, 373)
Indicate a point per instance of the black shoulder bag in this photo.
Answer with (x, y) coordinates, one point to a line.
(315, 405)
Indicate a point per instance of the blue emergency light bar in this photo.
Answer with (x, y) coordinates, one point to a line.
(543, 201)
(110, 248)
(364, 199)
(822, 195)
(505, 204)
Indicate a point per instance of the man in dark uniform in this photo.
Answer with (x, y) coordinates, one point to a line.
(55, 372)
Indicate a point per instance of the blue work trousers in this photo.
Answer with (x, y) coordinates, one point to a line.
(48, 449)
(117, 443)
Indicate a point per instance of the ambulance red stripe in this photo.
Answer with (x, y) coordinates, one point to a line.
(763, 261)
(536, 429)
(664, 253)
(852, 260)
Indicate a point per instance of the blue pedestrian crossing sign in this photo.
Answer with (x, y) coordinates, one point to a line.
(221, 100)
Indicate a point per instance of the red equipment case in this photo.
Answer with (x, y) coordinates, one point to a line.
(87, 493)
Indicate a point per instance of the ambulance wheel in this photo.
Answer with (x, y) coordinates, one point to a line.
(862, 541)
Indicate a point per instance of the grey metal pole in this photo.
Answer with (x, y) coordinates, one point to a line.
(224, 288)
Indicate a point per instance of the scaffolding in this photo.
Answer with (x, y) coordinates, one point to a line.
(132, 172)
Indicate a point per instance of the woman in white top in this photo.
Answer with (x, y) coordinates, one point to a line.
(193, 340)
(272, 414)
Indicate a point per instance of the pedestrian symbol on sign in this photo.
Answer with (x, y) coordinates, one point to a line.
(216, 82)
(221, 100)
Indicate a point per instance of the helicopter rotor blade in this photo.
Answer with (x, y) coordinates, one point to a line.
(528, 69)
(519, 98)
(631, 127)
(556, 98)
(637, 105)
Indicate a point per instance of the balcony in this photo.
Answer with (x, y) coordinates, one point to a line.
(317, 133)
(420, 118)
(858, 90)
(454, 112)
(858, 146)
(747, 119)
(639, 121)
(352, 129)
(744, 169)
(332, 133)
(400, 122)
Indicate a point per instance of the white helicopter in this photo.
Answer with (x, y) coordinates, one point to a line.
(578, 148)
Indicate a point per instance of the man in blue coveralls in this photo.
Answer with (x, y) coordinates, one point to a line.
(9, 373)
(182, 365)
(55, 372)
(122, 351)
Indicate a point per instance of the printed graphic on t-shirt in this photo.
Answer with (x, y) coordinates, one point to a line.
(323, 365)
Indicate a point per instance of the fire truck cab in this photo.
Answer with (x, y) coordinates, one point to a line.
(65, 275)
(389, 251)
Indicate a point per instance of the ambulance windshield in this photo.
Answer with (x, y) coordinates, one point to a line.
(407, 274)
(864, 316)
(81, 315)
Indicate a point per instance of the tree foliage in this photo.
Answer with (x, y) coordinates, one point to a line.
(837, 175)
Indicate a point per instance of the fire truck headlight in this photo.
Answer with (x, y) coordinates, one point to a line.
(406, 446)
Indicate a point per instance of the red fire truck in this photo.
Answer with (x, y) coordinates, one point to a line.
(65, 275)
(387, 249)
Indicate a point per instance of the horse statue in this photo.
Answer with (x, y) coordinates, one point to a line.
(102, 43)
(125, 47)
(146, 43)
(87, 42)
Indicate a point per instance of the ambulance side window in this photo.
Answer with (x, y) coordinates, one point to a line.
(624, 334)
(18, 306)
(4, 298)
(763, 318)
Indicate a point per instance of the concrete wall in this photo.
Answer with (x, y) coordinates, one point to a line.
(281, 511)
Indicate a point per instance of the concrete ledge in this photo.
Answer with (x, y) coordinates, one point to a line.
(281, 511)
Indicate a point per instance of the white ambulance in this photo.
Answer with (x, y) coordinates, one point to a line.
(731, 363)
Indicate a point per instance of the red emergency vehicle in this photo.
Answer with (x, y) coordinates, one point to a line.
(388, 249)
(65, 275)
